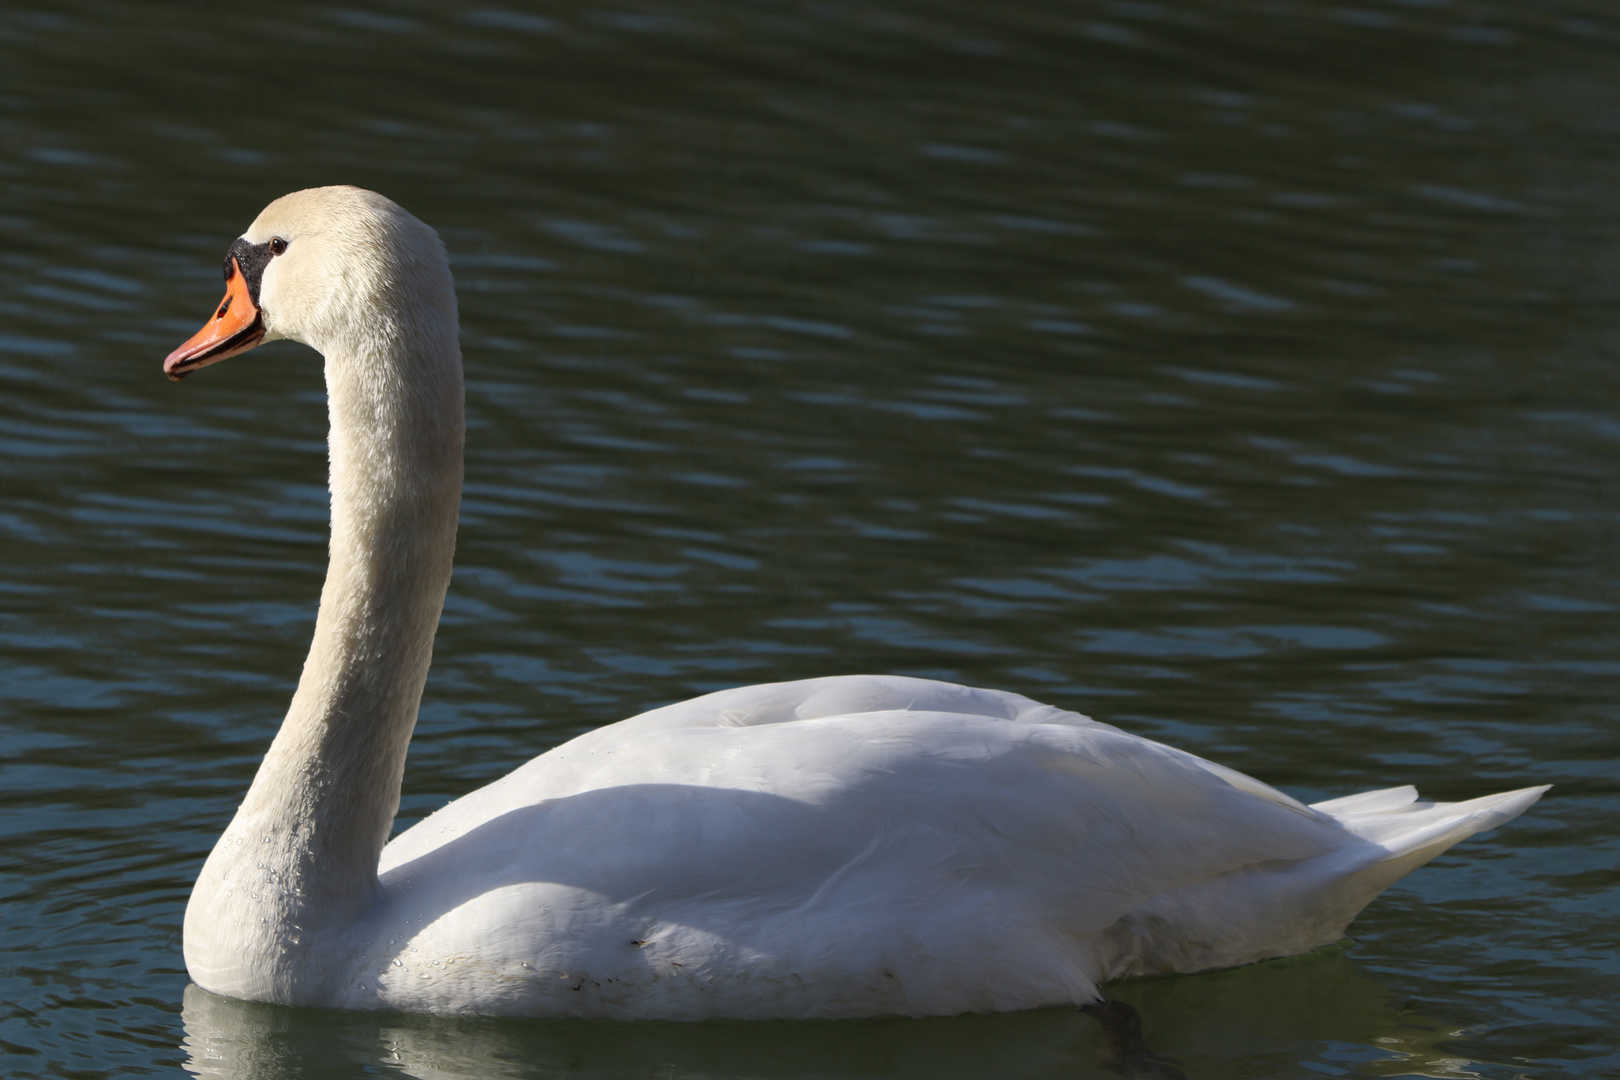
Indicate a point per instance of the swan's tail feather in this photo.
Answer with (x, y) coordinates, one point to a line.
(1286, 907)
(1399, 822)
(1369, 801)
(1403, 834)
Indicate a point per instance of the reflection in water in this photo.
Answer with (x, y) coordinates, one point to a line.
(1281, 1018)
(245, 1041)
(1318, 1011)
(1125, 1051)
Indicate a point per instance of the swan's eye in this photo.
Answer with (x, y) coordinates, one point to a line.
(277, 245)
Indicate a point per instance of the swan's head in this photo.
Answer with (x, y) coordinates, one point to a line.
(341, 269)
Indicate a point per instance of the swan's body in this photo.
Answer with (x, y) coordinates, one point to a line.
(847, 846)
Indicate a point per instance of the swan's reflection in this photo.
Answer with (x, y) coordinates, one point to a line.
(1265, 1020)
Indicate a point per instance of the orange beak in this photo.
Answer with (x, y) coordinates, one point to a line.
(235, 328)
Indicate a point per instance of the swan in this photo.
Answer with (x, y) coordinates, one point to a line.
(835, 847)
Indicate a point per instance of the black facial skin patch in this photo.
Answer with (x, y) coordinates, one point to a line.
(252, 258)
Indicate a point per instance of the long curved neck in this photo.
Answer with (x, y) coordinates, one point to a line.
(333, 773)
(298, 863)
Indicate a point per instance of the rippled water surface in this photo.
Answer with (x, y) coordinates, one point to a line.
(1241, 373)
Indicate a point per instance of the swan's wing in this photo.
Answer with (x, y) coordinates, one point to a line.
(895, 860)
(846, 695)
(931, 786)
(742, 707)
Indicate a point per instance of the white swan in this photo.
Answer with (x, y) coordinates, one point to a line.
(837, 847)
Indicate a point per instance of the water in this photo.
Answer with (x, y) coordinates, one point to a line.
(1240, 373)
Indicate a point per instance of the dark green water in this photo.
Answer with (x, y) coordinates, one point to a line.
(1241, 373)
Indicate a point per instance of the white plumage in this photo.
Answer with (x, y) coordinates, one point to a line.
(849, 846)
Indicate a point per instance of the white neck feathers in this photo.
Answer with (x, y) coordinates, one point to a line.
(299, 861)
